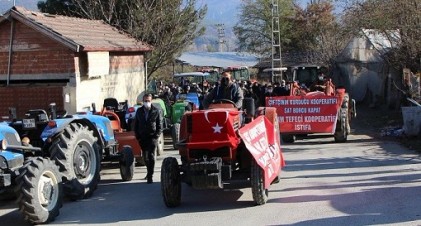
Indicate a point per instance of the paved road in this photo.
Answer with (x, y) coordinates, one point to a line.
(361, 182)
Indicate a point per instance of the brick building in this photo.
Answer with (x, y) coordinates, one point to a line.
(70, 61)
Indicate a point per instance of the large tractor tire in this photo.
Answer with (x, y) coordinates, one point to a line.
(175, 134)
(260, 194)
(171, 182)
(78, 156)
(342, 124)
(160, 146)
(40, 191)
(127, 163)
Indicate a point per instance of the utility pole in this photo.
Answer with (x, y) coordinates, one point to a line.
(276, 41)
(221, 36)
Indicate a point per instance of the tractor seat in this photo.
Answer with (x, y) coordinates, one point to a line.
(111, 104)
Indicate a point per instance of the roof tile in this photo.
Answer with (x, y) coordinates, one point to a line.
(92, 35)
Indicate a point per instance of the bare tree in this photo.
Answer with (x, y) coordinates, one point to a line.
(394, 19)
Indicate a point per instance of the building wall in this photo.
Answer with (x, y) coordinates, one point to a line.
(365, 75)
(37, 57)
(26, 98)
(124, 82)
(34, 56)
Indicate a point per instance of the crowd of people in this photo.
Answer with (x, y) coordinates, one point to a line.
(257, 91)
(148, 122)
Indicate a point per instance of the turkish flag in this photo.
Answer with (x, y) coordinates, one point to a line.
(214, 126)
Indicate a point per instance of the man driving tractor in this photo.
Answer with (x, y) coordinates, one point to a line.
(226, 90)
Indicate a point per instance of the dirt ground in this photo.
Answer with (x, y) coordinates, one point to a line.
(375, 121)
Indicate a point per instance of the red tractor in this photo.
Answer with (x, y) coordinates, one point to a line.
(314, 106)
(222, 147)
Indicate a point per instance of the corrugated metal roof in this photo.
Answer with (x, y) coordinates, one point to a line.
(382, 41)
(90, 35)
(218, 59)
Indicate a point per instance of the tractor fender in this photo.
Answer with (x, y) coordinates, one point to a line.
(5, 129)
(100, 126)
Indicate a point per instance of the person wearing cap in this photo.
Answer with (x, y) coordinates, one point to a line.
(227, 89)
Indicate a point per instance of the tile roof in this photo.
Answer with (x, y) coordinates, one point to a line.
(79, 34)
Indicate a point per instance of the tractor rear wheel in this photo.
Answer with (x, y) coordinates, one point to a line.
(175, 134)
(171, 182)
(76, 153)
(288, 138)
(260, 194)
(40, 190)
(160, 146)
(127, 163)
(342, 125)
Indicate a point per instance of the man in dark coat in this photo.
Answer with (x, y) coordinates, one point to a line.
(225, 90)
(148, 128)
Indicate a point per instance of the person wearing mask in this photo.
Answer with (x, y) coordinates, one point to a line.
(281, 90)
(148, 128)
(320, 84)
(228, 90)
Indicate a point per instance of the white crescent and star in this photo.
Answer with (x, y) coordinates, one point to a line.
(217, 128)
(207, 112)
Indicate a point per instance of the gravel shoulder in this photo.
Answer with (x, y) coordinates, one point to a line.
(372, 121)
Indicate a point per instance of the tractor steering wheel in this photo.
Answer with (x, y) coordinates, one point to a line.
(61, 114)
(224, 101)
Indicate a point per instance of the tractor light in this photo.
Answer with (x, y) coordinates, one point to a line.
(52, 124)
(3, 145)
(131, 109)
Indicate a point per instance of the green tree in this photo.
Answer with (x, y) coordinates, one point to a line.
(313, 29)
(317, 30)
(254, 29)
(168, 25)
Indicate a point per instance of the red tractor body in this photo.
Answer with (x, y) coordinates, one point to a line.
(217, 151)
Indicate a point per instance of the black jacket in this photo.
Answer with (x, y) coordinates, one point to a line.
(235, 94)
(150, 128)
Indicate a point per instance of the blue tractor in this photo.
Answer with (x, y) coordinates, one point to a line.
(77, 144)
(36, 180)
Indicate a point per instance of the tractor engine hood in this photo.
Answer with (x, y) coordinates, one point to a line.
(213, 129)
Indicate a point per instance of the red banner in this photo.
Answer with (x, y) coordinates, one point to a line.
(259, 138)
(315, 113)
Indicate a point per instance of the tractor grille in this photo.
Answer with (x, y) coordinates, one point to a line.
(199, 153)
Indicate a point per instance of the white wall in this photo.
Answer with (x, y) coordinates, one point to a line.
(122, 87)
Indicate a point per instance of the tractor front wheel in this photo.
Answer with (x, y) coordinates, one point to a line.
(76, 153)
(260, 194)
(175, 134)
(171, 182)
(40, 190)
(127, 163)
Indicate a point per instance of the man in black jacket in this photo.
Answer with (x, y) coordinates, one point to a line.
(148, 128)
(225, 90)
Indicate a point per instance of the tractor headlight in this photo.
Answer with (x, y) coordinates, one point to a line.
(3, 145)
